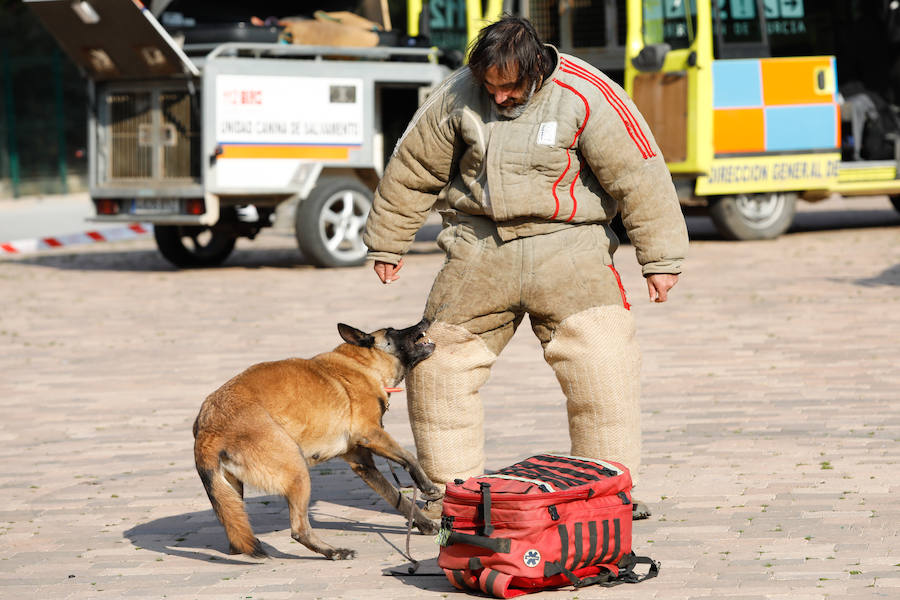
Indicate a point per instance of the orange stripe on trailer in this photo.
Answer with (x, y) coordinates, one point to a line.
(837, 127)
(279, 151)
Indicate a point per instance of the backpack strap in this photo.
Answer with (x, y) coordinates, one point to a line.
(496, 584)
(462, 579)
(613, 574)
(487, 580)
(486, 507)
(498, 545)
(627, 564)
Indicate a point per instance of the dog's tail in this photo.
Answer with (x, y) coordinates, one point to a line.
(225, 499)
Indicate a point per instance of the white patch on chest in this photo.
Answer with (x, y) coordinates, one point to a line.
(547, 134)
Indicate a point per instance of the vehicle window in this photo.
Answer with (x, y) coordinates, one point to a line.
(666, 21)
(447, 23)
(739, 21)
(589, 27)
(799, 28)
(793, 28)
(594, 23)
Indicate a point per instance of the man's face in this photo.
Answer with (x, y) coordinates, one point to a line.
(509, 94)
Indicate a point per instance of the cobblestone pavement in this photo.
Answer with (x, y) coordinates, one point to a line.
(771, 420)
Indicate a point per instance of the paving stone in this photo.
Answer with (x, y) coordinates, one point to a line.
(771, 421)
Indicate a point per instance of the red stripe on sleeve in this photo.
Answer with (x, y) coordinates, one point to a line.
(631, 125)
(613, 98)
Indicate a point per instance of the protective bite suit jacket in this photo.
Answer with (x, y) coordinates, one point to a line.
(580, 152)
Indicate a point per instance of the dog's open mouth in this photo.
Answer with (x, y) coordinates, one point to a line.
(413, 344)
(424, 343)
(422, 347)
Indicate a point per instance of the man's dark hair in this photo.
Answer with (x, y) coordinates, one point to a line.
(506, 44)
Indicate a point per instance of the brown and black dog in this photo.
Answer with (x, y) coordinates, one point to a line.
(269, 424)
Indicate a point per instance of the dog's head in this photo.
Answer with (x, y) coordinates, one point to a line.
(409, 346)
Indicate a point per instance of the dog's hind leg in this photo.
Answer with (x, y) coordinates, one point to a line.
(225, 498)
(363, 464)
(236, 483)
(297, 496)
(275, 463)
(380, 442)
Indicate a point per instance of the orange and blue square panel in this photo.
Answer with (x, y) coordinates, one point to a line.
(775, 105)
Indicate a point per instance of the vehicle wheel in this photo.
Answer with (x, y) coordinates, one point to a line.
(329, 223)
(895, 200)
(189, 246)
(753, 216)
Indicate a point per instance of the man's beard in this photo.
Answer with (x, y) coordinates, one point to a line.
(515, 110)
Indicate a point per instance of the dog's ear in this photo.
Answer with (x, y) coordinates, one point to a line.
(354, 336)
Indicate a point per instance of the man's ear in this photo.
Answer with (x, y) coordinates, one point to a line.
(354, 336)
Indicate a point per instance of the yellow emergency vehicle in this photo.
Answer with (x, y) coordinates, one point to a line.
(756, 104)
(743, 97)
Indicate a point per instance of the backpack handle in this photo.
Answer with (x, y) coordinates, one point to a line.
(499, 545)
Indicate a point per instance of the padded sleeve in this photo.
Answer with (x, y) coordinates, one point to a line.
(418, 170)
(620, 149)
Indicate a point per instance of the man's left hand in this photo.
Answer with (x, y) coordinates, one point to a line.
(659, 285)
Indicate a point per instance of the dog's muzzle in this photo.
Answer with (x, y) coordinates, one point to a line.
(414, 343)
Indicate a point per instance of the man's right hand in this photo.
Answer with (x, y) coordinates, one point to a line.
(386, 271)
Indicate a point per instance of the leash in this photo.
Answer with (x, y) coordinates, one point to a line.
(412, 506)
(409, 519)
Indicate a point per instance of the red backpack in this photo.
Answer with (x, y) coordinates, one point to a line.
(548, 521)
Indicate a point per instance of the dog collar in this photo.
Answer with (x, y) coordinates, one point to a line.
(393, 389)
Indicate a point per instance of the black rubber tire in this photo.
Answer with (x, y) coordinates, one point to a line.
(753, 216)
(895, 200)
(189, 246)
(330, 222)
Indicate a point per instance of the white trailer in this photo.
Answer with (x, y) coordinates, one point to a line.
(205, 142)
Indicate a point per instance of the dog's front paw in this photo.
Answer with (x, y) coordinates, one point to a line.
(433, 509)
(432, 493)
(340, 554)
(427, 526)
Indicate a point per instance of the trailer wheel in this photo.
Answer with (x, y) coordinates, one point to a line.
(753, 216)
(895, 200)
(190, 246)
(329, 223)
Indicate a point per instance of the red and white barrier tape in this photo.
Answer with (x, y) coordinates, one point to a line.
(112, 234)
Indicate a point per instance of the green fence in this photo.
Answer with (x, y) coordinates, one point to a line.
(43, 112)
